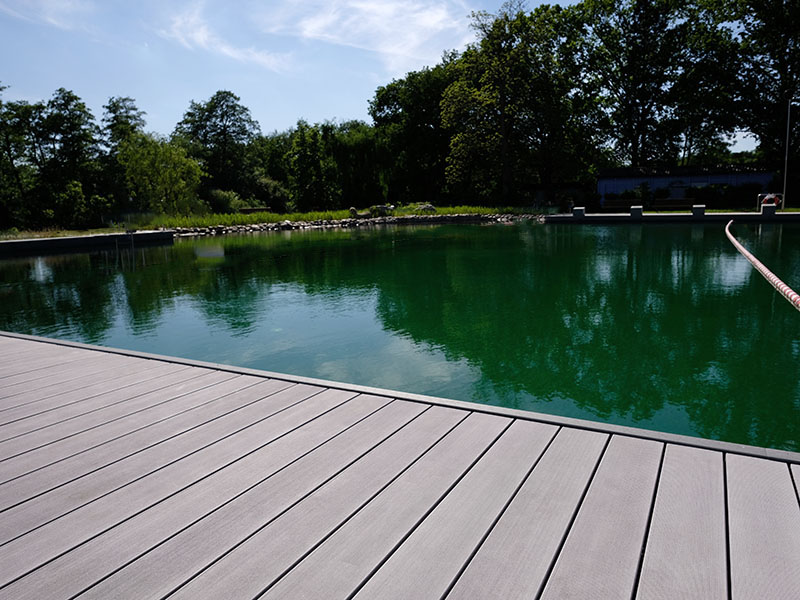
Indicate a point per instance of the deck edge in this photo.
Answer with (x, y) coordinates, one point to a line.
(607, 428)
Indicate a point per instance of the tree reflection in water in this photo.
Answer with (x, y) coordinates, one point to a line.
(664, 327)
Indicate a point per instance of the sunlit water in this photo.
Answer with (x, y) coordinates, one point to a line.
(662, 327)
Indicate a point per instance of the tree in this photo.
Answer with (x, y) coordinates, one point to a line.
(517, 111)
(703, 95)
(56, 148)
(482, 108)
(634, 50)
(353, 147)
(562, 120)
(74, 209)
(15, 172)
(268, 153)
(269, 183)
(70, 141)
(217, 134)
(413, 143)
(121, 120)
(312, 171)
(770, 75)
(162, 178)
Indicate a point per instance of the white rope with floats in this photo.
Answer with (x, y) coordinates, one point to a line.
(784, 290)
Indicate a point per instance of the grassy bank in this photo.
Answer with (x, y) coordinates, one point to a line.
(170, 222)
(14, 234)
(332, 215)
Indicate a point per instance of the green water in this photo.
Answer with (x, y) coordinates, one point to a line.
(661, 327)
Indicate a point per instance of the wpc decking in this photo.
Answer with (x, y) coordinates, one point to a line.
(129, 476)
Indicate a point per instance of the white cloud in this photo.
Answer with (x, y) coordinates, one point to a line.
(414, 367)
(406, 34)
(191, 30)
(65, 14)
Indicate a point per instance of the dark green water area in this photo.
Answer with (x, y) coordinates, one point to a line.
(655, 326)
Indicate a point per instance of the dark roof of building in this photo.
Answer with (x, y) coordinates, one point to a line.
(659, 171)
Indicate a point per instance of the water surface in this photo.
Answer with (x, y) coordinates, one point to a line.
(656, 326)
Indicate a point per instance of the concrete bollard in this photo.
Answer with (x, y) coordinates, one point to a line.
(578, 212)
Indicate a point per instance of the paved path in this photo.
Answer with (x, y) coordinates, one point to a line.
(133, 476)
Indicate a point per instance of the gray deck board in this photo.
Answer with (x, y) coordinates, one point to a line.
(433, 555)
(105, 380)
(133, 400)
(125, 542)
(764, 523)
(107, 417)
(31, 417)
(27, 364)
(58, 536)
(12, 346)
(600, 557)
(49, 353)
(12, 365)
(27, 516)
(337, 567)
(153, 575)
(153, 461)
(687, 561)
(282, 539)
(36, 472)
(71, 400)
(515, 559)
(36, 380)
(126, 475)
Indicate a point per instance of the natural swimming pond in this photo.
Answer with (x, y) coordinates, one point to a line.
(655, 326)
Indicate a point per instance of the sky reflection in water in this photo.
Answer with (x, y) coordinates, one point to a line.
(663, 327)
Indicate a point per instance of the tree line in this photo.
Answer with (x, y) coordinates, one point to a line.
(535, 107)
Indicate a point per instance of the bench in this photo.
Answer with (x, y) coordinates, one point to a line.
(619, 205)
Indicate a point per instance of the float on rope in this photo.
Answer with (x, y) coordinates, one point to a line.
(784, 290)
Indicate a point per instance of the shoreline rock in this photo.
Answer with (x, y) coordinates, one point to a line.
(351, 223)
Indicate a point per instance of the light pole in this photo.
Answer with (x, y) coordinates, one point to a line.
(786, 160)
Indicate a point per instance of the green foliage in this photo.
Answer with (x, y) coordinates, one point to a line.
(268, 154)
(225, 201)
(634, 49)
(417, 209)
(121, 120)
(312, 171)
(527, 114)
(271, 193)
(69, 140)
(216, 133)
(770, 72)
(353, 149)
(49, 159)
(85, 212)
(519, 111)
(162, 178)
(705, 88)
(229, 219)
(410, 136)
(212, 220)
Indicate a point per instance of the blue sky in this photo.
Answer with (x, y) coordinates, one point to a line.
(286, 59)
